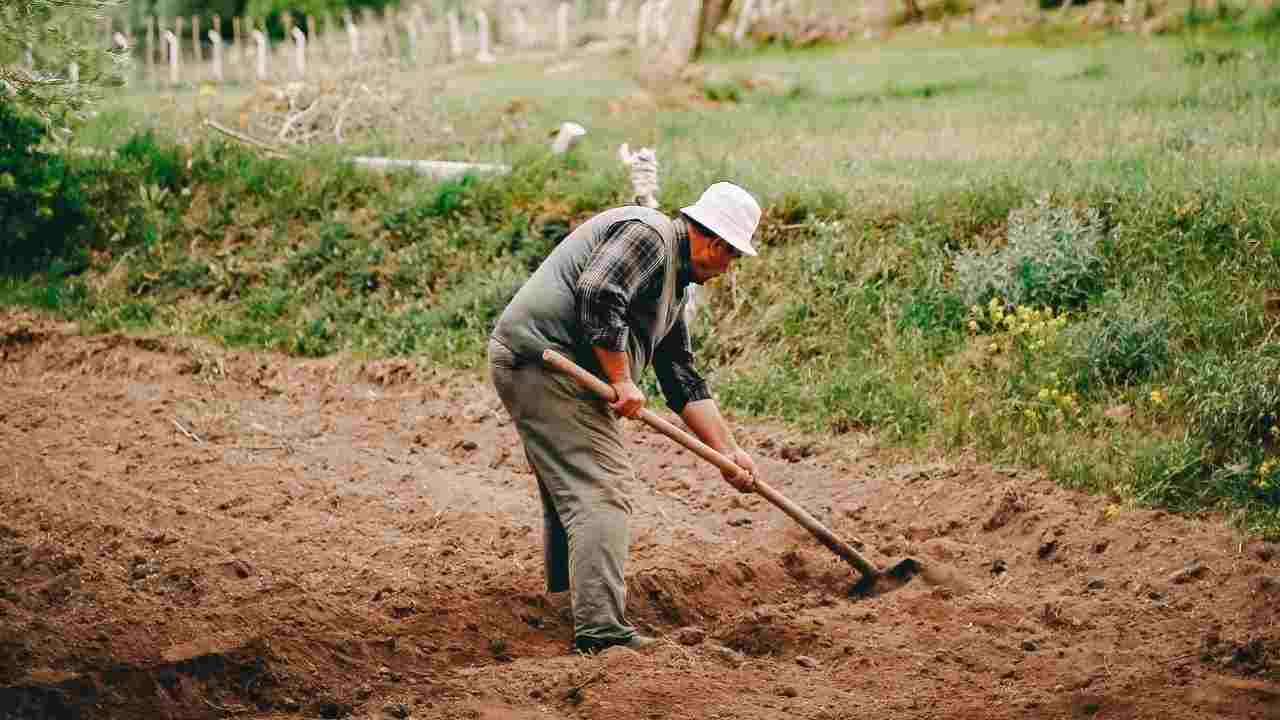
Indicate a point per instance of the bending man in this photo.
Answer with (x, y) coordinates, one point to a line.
(611, 296)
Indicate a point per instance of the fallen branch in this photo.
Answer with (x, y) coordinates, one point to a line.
(436, 169)
(247, 139)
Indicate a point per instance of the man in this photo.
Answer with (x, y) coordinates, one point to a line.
(611, 296)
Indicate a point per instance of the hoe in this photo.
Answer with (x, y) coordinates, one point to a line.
(873, 581)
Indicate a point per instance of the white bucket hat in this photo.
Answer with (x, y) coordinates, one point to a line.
(728, 211)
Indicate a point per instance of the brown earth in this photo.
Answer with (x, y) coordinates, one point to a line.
(190, 532)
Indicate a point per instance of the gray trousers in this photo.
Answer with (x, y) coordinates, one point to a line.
(574, 444)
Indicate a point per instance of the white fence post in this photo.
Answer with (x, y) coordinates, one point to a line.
(523, 38)
(411, 29)
(171, 40)
(215, 42)
(642, 24)
(261, 41)
(353, 38)
(455, 36)
(562, 27)
(299, 52)
(482, 21)
(744, 20)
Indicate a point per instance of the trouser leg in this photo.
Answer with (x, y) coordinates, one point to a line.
(555, 544)
(575, 446)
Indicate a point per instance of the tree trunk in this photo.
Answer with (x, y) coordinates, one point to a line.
(710, 14)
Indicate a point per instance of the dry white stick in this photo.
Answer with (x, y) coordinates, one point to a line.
(186, 432)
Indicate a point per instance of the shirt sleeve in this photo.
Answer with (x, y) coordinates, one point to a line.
(613, 275)
(673, 364)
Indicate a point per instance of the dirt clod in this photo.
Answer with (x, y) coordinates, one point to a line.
(397, 710)
(1011, 503)
(1194, 571)
(1047, 550)
(690, 635)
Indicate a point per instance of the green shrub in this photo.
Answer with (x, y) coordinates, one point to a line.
(160, 163)
(1053, 258)
(933, 309)
(858, 396)
(1169, 472)
(1233, 402)
(43, 208)
(1122, 345)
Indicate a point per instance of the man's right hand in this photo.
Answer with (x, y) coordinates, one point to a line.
(630, 399)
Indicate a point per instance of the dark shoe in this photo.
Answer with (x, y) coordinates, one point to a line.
(592, 645)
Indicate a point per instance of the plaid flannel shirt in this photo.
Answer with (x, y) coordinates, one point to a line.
(626, 271)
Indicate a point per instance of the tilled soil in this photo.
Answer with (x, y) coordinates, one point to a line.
(191, 532)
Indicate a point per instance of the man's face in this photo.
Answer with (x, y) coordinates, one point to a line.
(709, 255)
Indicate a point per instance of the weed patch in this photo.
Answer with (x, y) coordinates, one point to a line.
(1053, 258)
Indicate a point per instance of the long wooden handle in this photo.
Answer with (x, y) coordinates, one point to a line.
(706, 452)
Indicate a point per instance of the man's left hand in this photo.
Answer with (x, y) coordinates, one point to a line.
(743, 460)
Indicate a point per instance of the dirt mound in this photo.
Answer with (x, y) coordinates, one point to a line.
(188, 532)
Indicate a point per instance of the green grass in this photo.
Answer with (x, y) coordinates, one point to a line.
(877, 165)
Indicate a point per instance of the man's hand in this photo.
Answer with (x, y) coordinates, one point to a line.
(743, 460)
(630, 399)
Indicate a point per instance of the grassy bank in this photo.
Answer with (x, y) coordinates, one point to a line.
(1063, 257)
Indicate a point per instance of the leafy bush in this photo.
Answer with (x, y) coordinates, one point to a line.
(1168, 472)
(933, 309)
(159, 163)
(1053, 258)
(43, 209)
(1122, 345)
(1234, 403)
